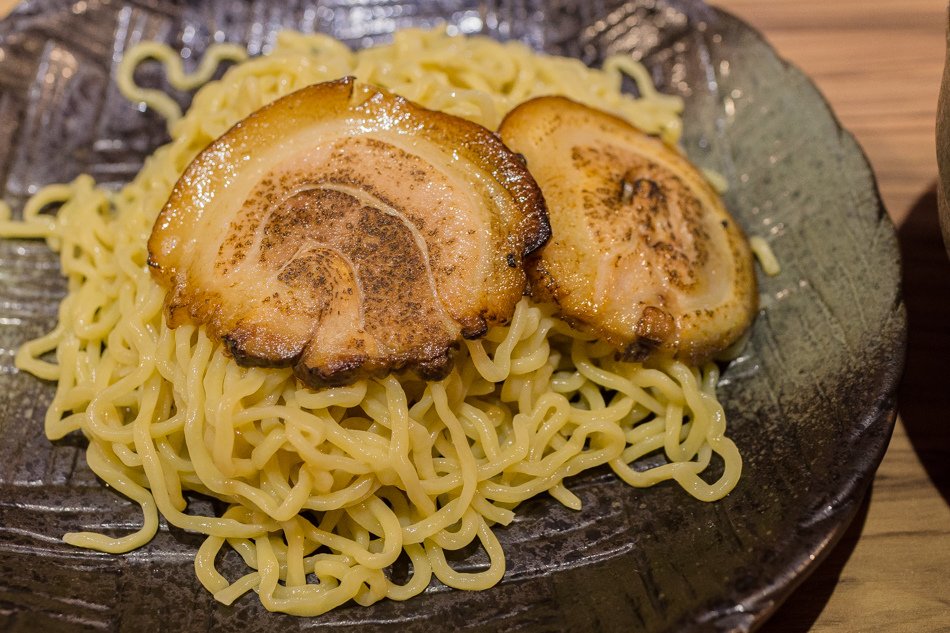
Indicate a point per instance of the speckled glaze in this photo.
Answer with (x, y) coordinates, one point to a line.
(810, 401)
(943, 148)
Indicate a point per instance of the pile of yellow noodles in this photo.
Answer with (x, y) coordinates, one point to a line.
(327, 488)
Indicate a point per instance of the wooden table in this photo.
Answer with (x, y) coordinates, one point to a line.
(879, 62)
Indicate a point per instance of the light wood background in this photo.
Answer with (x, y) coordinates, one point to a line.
(879, 62)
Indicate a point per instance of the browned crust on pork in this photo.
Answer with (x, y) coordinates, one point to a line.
(335, 266)
(626, 207)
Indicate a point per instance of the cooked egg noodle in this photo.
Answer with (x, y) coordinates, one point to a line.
(330, 491)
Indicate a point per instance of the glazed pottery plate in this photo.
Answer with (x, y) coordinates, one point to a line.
(810, 400)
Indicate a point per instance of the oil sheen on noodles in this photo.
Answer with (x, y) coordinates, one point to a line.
(326, 489)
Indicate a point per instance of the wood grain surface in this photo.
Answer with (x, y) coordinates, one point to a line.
(879, 62)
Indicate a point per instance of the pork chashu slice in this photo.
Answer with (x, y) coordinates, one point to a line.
(347, 232)
(643, 253)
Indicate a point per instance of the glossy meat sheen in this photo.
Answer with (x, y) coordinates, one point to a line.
(643, 253)
(348, 232)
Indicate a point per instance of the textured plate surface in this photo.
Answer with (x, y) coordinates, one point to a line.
(811, 401)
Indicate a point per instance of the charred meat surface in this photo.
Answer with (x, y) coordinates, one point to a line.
(347, 232)
(643, 253)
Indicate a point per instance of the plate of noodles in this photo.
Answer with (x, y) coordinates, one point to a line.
(167, 465)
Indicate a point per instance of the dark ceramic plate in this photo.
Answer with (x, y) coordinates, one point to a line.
(811, 401)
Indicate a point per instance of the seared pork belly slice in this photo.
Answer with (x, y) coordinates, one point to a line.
(347, 232)
(643, 253)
